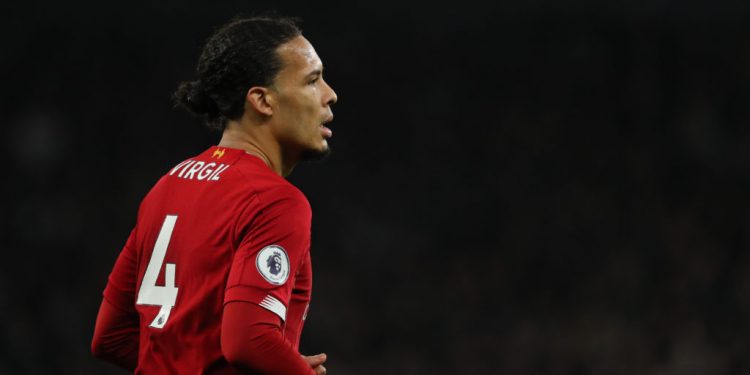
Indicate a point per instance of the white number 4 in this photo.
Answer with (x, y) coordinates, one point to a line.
(151, 294)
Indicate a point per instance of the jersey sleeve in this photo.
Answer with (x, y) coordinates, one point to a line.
(273, 246)
(299, 304)
(120, 290)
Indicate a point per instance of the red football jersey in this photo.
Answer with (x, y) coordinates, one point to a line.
(217, 228)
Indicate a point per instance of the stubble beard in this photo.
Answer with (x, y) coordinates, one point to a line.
(315, 155)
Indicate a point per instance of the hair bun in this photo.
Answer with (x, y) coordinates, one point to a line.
(193, 96)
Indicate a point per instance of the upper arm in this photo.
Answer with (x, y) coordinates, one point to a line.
(271, 251)
(121, 285)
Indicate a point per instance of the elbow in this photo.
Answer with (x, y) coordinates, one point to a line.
(103, 345)
(234, 358)
(117, 354)
(237, 355)
(103, 349)
(246, 352)
(238, 359)
(230, 352)
(251, 338)
(98, 350)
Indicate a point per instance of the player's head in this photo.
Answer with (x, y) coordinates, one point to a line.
(241, 54)
(298, 101)
(265, 66)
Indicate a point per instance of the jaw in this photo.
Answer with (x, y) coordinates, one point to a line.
(291, 156)
(316, 155)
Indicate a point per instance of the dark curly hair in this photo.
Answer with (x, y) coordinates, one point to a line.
(242, 54)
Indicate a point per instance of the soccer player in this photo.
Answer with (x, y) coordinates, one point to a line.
(216, 278)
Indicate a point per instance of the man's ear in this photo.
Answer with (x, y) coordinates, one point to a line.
(258, 98)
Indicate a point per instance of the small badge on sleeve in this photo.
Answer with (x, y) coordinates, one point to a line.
(273, 264)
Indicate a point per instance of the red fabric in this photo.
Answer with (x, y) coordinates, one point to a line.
(251, 339)
(299, 304)
(116, 336)
(284, 221)
(228, 206)
(120, 290)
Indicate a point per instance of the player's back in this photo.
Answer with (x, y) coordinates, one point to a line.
(189, 227)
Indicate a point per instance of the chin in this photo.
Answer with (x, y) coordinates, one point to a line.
(316, 155)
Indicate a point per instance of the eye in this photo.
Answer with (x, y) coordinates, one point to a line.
(315, 78)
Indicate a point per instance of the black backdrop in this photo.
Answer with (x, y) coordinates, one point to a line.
(520, 188)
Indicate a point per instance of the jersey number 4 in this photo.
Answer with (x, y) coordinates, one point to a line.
(151, 294)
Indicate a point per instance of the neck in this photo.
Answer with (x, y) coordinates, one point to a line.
(256, 139)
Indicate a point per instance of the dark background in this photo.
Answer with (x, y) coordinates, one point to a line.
(518, 188)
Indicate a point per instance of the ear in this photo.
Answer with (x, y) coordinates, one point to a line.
(257, 98)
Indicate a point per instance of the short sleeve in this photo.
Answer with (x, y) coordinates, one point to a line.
(272, 249)
(120, 290)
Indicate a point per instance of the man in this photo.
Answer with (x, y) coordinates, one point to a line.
(215, 278)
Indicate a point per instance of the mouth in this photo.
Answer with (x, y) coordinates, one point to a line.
(324, 130)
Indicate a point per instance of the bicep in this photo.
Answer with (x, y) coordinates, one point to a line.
(121, 285)
(270, 254)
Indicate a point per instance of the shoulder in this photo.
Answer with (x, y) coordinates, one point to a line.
(284, 195)
(270, 188)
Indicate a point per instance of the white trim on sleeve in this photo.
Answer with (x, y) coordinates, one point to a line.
(275, 306)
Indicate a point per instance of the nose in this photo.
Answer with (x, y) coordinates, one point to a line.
(331, 96)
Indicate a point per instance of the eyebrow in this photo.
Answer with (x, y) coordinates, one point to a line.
(315, 72)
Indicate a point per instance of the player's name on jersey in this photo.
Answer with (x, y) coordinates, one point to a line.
(198, 170)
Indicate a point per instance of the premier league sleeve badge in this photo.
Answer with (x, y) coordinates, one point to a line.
(273, 264)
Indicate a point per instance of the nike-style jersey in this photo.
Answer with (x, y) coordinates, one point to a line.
(217, 228)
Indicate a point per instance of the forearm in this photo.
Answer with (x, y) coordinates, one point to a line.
(294, 321)
(251, 339)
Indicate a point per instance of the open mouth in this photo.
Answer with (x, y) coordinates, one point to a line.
(324, 130)
(327, 133)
